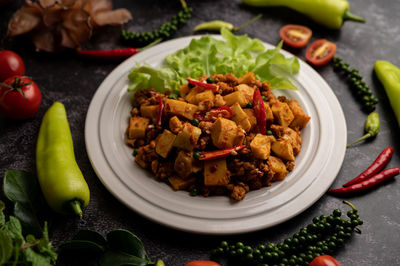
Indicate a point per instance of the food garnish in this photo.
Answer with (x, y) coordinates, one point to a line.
(325, 235)
(296, 36)
(213, 113)
(60, 178)
(325, 260)
(371, 128)
(359, 87)
(380, 162)
(204, 85)
(259, 112)
(166, 30)
(325, 12)
(11, 64)
(212, 155)
(20, 97)
(320, 52)
(202, 263)
(56, 25)
(367, 183)
(217, 25)
(389, 75)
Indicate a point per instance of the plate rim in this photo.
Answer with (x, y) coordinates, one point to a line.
(217, 230)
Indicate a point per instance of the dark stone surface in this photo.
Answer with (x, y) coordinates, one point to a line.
(72, 81)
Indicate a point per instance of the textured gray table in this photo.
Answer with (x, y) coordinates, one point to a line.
(72, 81)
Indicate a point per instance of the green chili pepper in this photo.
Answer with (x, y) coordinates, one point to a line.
(372, 127)
(60, 178)
(329, 13)
(217, 25)
(389, 75)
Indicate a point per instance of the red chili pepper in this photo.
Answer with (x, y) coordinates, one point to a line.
(259, 112)
(200, 84)
(160, 110)
(212, 155)
(367, 184)
(374, 168)
(208, 115)
(115, 54)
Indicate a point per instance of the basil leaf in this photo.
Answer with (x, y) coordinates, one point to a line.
(2, 216)
(13, 227)
(22, 188)
(90, 235)
(124, 241)
(6, 247)
(81, 246)
(118, 258)
(36, 259)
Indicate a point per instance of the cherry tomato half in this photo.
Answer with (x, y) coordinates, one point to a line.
(10, 64)
(325, 260)
(296, 36)
(202, 263)
(320, 52)
(20, 97)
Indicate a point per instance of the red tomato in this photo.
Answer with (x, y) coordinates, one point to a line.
(320, 52)
(325, 260)
(202, 263)
(20, 97)
(10, 64)
(296, 36)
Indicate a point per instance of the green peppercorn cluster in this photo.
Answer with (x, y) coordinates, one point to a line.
(360, 88)
(167, 29)
(323, 236)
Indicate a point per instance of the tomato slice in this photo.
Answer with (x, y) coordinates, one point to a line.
(320, 52)
(296, 36)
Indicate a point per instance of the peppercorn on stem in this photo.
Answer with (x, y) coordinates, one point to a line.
(248, 23)
(350, 204)
(349, 16)
(76, 207)
(368, 135)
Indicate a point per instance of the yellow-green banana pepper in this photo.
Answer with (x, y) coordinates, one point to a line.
(389, 75)
(60, 178)
(329, 13)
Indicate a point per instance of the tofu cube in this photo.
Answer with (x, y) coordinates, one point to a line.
(188, 137)
(178, 183)
(175, 107)
(277, 166)
(268, 113)
(226, 134)
(252, 118)
(300, 117)
(240, 117)
(183, 164)
(191, 96)
(190, 109)
(137, 127)
(261, 146)
(294, 138)
(246, 90)
(235, 97)
(215, 173)
(184, 90)
(206, 95)
(165, 143)
(247, 78)
(150, 111)
(175, 125)
(282, 113)
(283, 149)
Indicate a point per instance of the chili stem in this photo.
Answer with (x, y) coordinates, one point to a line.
(76, 207)
(350, 204)
(183, 3)
(151, 44)
(350, 16)
(368, 135)
(248, 23)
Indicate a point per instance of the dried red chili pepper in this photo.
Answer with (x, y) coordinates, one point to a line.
(114, 54)
(374, 168)
(209, 115)
(367, 184)
(200, 84)
(212, 155)
(160, 110)
(259, 112)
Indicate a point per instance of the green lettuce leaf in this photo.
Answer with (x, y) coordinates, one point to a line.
(206, 56)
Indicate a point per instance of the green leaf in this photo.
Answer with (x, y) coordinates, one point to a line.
(124, 241)
(35, 258)
(118, 258)
(2, 216)
(22, 188)
(90, 235)
(81, 246)
(45, 247)
(6, 247)
(13, 227)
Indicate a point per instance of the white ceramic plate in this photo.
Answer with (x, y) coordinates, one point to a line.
(320, 159)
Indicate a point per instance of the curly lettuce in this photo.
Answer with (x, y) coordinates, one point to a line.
(207, 56)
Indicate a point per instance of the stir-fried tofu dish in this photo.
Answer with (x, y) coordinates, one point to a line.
(223, 136)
